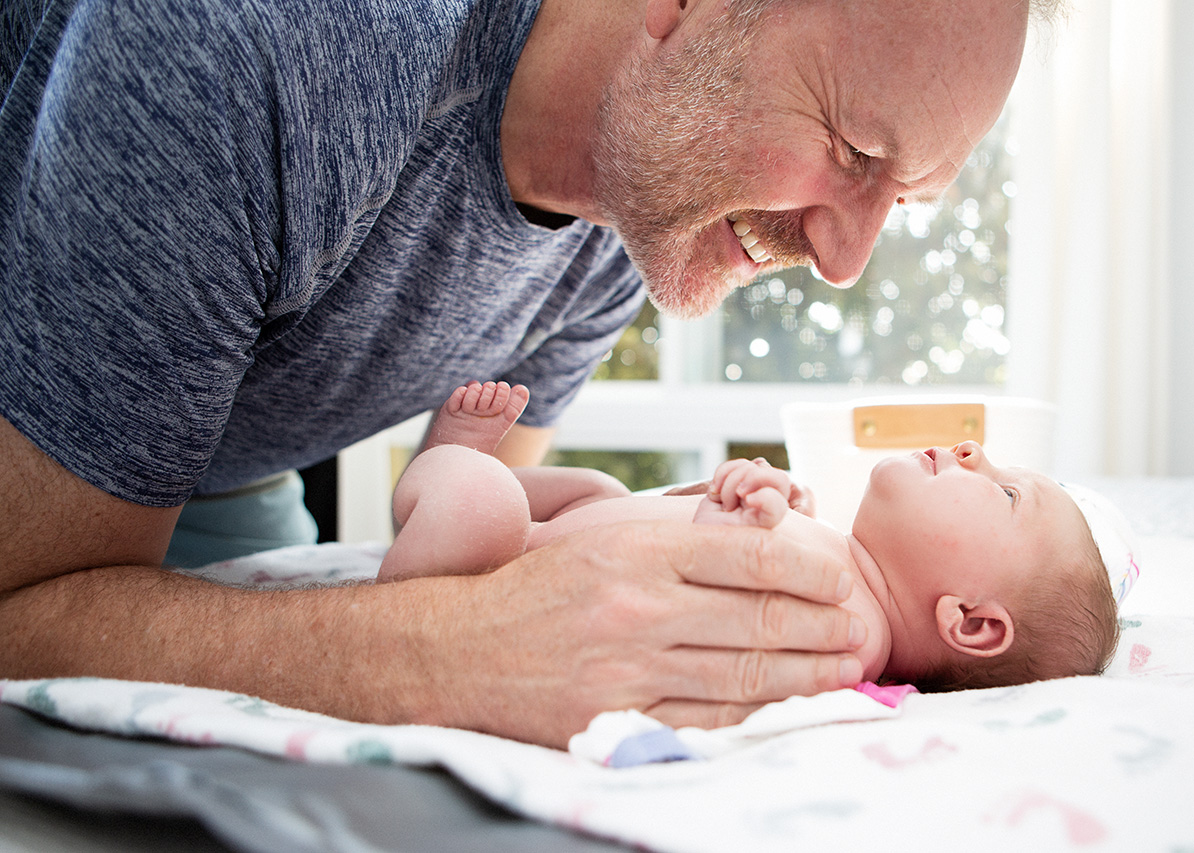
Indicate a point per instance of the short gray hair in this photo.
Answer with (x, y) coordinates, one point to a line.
(1048, 12)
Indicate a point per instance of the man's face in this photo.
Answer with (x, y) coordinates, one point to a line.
(804, 124)
(948, 521)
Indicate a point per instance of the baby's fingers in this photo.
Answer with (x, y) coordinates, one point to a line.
(724, 486)
(769, 505)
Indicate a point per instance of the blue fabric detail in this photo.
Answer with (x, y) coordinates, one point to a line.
(653, 747)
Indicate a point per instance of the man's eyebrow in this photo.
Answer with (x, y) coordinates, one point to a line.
(887, 147)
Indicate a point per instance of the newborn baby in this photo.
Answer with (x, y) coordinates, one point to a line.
(966, 575)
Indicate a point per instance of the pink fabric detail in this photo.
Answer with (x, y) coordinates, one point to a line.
(890, 695)
(934, 749)
(296, 744)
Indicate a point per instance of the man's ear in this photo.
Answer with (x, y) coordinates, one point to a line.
(663, 16)
(983, 630)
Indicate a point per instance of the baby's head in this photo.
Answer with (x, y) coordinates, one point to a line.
(993, 575)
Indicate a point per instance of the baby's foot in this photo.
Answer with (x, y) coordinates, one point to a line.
(478, 416)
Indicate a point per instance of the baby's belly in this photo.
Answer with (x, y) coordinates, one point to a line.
(612, 511)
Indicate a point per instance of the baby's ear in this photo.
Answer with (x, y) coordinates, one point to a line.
(983, 630)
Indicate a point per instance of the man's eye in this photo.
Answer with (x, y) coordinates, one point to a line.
(849, 155)
(856, 158)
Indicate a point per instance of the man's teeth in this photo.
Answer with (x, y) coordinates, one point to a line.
(750, 242)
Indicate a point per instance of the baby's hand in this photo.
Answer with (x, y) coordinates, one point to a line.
(745, 492)
(801, 499)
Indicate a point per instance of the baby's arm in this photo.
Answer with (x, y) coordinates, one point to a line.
(745, 492)
(553, 491)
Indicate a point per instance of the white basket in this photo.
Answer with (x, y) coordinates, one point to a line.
(832, 447)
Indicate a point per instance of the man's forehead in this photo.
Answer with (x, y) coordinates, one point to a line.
(913, 155)
(925, 80)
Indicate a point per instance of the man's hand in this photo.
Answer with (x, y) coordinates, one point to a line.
(696, 625)
(692, 624)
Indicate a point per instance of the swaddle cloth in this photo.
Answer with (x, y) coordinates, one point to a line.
(1113, 537)
(631, 738)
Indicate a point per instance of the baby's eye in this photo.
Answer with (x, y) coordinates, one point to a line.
(1011, 493)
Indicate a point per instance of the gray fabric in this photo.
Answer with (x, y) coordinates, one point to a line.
(237, 236)
(260, 804)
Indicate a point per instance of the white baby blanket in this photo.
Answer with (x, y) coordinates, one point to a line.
(1087, 763)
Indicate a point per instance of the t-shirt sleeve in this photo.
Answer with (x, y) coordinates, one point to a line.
(180, 180)
(565, 357)
(138, 211)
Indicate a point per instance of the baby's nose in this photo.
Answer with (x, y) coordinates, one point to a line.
(968, 452)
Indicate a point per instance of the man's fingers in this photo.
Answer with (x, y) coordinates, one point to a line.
(741, 619)
(722, 688)
(679, 713)
(753, 677)
(755, 559)
(690, 489)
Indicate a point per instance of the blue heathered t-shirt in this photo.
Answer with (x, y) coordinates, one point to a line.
(239, 235)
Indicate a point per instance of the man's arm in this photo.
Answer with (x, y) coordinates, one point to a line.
(694, 628)
(525, 446)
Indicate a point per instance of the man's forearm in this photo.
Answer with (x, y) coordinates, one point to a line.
(343, 651)
(693, 624)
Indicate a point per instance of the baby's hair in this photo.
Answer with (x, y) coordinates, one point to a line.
(1066, 623)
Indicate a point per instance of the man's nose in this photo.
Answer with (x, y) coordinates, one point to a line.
(845, 238)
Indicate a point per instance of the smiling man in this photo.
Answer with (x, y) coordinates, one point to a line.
(786, 128)
(241, 235)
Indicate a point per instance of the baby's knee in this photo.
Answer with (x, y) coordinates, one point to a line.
(452, 475)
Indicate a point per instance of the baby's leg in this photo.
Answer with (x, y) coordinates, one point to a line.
(551, 492)
(461, 511)
(478, 416)
(745, 492)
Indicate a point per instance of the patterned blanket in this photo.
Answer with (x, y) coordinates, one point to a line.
(1084, 763)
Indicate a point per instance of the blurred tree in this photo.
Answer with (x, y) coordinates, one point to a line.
(927, 310)
(636, 355)
(638, 470)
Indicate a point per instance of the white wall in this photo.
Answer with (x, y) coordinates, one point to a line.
(1181, 262)
(1098, 300)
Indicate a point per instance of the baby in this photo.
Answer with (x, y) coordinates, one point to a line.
(966, 575)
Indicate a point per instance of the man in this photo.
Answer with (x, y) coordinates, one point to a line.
(238, 238)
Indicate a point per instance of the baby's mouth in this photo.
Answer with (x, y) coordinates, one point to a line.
(750, 241)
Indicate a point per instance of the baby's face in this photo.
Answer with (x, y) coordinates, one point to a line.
(949, 522)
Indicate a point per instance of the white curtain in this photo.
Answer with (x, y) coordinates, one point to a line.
(1099, 294)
